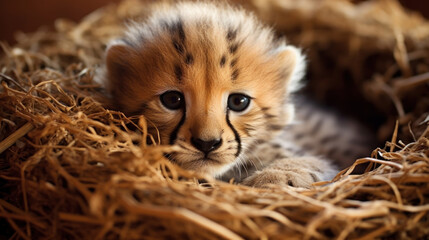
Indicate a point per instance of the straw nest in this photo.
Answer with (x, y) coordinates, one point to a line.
(71, 169)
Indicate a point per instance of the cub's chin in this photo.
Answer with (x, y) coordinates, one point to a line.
(207, 166)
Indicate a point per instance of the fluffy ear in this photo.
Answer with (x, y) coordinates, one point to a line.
(293, 66)
(122, 70)
(120, 62)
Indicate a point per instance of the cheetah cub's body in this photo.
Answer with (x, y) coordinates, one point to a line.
(216, 83)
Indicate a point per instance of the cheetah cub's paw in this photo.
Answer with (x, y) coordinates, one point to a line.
(296, 172)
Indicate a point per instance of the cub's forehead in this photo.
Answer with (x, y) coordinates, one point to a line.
(201, 25)
(204, 45)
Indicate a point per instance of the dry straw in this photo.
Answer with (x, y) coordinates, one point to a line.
(79, 172)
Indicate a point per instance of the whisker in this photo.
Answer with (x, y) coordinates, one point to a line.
(184, 147)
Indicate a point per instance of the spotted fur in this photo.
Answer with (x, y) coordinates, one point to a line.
(207, 52)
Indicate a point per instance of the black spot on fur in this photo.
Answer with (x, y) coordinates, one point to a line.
(176, 28)
(275, 127)
(189, 59)
(178, 72)
(231, 34)
(276, 145)
(248, 128)
(233, 48)
(178, 46)
(269, 116)
(234, 74)
(290, 183)
(233, 62)
(222, 61)
(180, 30)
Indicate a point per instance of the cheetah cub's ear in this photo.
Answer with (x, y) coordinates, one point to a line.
(122, 71)
(293, 66)
(120, 62)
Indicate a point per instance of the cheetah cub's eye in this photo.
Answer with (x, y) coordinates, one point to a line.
(172, 100)
(238, 102)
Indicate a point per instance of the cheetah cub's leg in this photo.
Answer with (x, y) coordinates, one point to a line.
(283, 168)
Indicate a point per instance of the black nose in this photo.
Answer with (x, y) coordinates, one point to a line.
(206, 146)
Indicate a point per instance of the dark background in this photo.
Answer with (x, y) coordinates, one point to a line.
(29, 15)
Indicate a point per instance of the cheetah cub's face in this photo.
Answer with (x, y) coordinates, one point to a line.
(211, 79)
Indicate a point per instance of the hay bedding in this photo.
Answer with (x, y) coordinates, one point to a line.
(79, 172)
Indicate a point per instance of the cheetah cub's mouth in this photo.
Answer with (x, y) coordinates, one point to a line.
(208, 78)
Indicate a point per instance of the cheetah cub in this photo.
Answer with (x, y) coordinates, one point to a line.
(215, 82)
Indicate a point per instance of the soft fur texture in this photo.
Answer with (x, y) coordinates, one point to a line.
(207, 52)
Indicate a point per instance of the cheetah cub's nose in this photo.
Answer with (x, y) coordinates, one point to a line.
(206, 146)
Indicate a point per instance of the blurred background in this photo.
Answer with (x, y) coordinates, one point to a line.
(29, 15)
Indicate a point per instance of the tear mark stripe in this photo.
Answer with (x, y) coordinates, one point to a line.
(236, 135)
(140, 109)
(173, 135)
